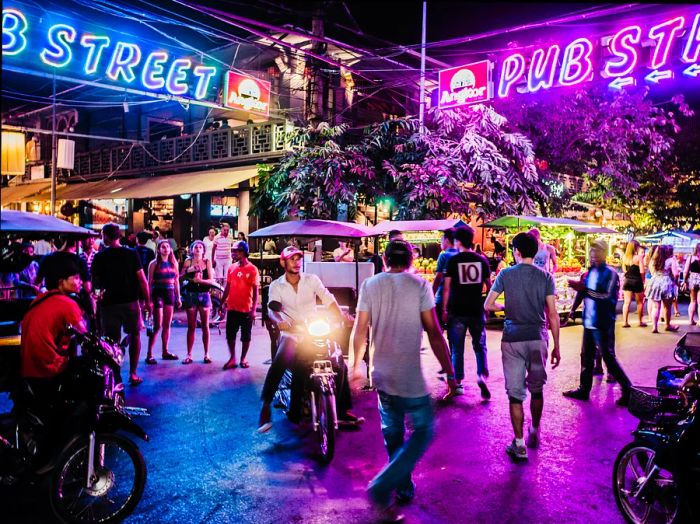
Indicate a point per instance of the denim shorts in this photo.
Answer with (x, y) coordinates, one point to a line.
(192, 300)
(163, 296)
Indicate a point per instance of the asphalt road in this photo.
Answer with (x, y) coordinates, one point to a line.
(206, 464)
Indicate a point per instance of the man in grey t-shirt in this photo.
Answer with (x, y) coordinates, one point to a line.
(399, 306)
(529, 294)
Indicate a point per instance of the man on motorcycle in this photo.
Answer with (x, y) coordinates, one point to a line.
(297, 292)
(44, 353)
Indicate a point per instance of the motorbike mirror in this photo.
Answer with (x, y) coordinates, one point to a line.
(275, 306)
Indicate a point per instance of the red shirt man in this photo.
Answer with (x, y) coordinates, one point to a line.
(241, 299)
(43, 351)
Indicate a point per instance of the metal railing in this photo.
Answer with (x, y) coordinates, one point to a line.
(212, 148)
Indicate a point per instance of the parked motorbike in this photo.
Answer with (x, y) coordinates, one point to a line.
(320, 356)
(93, 473)
(656, 477)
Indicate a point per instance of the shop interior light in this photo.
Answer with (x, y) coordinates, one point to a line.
(186, 196)
(13, 153)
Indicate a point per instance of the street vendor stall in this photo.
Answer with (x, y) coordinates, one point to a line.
(681, 241)
(424, 233)
(571, 239)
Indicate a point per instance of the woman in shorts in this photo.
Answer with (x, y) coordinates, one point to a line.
(198, 277)
(165, 295)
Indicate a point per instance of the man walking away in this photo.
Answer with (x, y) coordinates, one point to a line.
(601, 288)
(117, 271)
(448, 251)
(463, 307)
(399, 306)
(241, 299)
(529, 293)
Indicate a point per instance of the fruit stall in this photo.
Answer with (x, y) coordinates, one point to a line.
(571, 240)
(426, 234)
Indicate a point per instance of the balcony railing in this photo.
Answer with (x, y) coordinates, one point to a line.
(212, 148)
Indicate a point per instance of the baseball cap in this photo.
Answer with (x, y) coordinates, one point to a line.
(242, 245)
(289, 251)
(600, 245)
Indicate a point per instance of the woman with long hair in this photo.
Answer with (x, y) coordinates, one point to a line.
(165, 294)
(649, 278)
(198, 276)
(691, 277)
(663, 289)
(633, 285)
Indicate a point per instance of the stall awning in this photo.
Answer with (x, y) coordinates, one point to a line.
(415, 225)
(11, 194)
(518, 221)
(156, 187)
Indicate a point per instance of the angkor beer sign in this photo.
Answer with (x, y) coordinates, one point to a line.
(467, 84)
(246, 93)
(39, 42)
(654, 54)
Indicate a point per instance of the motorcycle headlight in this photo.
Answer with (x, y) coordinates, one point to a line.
(319, 328)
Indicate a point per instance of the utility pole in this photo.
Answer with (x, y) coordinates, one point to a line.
(421, 99)
(316, 95)
(54, 147)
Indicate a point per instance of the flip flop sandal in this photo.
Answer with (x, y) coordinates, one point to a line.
(265, 427)
(230, 365)
(244, 364)
(135, 381)
(207, 360)
(151, 361)
(170, 356)
(188, 360)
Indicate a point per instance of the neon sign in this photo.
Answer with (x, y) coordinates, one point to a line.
(624, 59)
(247, 93)
(467, 84)
(48, 43)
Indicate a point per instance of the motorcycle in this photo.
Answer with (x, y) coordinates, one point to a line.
(93, 473)
(320, 356)
(656, 478)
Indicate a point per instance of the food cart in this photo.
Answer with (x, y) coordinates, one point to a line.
(424, 233)
(571, 239)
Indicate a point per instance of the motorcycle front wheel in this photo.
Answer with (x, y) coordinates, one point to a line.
(326, 427)
(114, 490)
(644, 493)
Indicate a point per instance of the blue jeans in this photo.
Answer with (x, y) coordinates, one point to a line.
(456, 333)
(403, 456)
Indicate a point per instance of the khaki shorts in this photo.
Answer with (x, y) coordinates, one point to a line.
(524, 367)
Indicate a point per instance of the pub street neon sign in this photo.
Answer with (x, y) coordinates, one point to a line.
(672, 46)
(556, 66)
(43, 46)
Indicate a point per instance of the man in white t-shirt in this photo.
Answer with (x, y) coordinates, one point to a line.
(221, 257)
(399, 306)
(209, 243)
(343, 253)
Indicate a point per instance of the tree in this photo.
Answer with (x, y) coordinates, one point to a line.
(620, 142)
(466, 157)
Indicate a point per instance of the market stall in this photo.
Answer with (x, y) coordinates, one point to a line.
(426, 234)
(571, 239)
(681, 241)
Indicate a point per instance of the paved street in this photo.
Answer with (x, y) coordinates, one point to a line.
(207, 465)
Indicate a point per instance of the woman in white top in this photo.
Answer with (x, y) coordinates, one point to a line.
(663, 288)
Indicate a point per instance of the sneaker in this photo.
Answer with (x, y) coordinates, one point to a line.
(515, 451)
(460, 390)
(485, 393)
(577, 394)
(533, 437)
(350, 419)
(610, 379)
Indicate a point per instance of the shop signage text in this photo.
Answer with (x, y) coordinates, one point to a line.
(246, 93)
(47, 43)
(653, 54)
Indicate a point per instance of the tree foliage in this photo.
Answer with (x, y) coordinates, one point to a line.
(465, 157)
(622, 143)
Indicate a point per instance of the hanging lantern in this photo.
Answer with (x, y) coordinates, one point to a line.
(13, 151)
